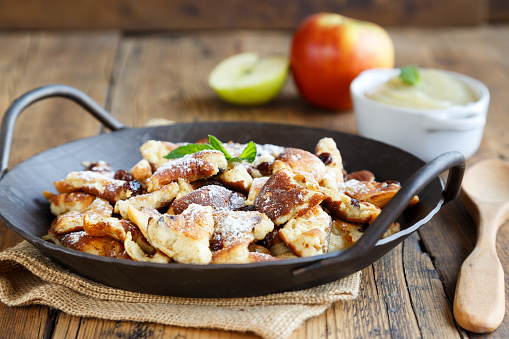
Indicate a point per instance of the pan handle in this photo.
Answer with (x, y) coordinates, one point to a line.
(452, 161)
(40, 93)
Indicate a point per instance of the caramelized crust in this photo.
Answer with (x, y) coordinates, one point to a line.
(104, 246)
(308, 235)
(236, 178)
(62, 186)
(255, 188)
(156, 199)
(230, 226)
(301, 161)
(192, 167)
(260, 257)
(286, 195)
(98, 226)
(327, 151)
(349, 209)
(102, 186)
(218, 197)
(345, 234)
(141, 171)
(376, 193)
(73, 221)
(70, 202)
(236, 253)
(135, 251)
(184, 238)
(154, 151)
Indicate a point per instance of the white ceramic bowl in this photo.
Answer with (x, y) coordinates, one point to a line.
(425, 133)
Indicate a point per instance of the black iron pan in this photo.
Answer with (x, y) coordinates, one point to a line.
(24, 209)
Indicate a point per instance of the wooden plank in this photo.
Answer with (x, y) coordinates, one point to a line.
(430, 304)
(392, 290)
(23, 322)
(498, 11)
(82, 328)
(203, 14)
(28, 60)
(13, 55)
(365, 317)
(83, 60)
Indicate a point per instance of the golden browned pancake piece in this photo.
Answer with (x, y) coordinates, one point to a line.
(287, 195)
(218, 197)
(308, 235)
(301, 161)
(104, 246)
(192, 167)
(156, 199)
(70, 202)
(102, 186)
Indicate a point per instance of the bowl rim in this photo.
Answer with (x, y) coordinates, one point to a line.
(479, 106)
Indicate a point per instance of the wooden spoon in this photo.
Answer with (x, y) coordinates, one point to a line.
(479, 303)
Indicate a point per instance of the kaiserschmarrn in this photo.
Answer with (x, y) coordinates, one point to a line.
(204, 209)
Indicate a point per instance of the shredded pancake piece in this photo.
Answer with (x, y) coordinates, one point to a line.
(200, 165)
(286, 195)
(103, 186)
(308, 235)
(218, 197)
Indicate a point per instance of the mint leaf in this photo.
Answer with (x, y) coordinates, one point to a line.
(248, 154)
(218, 145)
(410, 75)
(186, 149)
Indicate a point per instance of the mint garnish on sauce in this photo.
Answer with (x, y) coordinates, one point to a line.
(410, 75)
(248, 154)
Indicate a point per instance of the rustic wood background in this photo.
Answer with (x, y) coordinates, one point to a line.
(406, 294)
(146, 15)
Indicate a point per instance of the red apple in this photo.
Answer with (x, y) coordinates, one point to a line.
(329, 50)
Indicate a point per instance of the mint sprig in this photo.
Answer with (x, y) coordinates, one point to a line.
(187, 149)
(410, 75)
(248, 154)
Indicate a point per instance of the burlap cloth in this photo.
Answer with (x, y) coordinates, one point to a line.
(27, 277)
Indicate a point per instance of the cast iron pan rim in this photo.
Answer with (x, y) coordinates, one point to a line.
(173, 265)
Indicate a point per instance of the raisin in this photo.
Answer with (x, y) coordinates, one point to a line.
(265, 168)
(134, 186)
(326, 158)
(356, 203)
(216, 242)
(246, 208)
(122, 175)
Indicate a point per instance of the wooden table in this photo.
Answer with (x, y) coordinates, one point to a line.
(408, 293)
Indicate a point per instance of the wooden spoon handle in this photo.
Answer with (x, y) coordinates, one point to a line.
(479, 302)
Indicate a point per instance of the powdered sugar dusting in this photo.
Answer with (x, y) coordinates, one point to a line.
(232, 225)
(353, 186)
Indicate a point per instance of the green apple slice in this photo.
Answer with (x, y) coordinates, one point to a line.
(247, 79)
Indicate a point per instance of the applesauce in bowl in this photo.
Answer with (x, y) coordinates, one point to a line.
(445, 111)
(436, 90)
